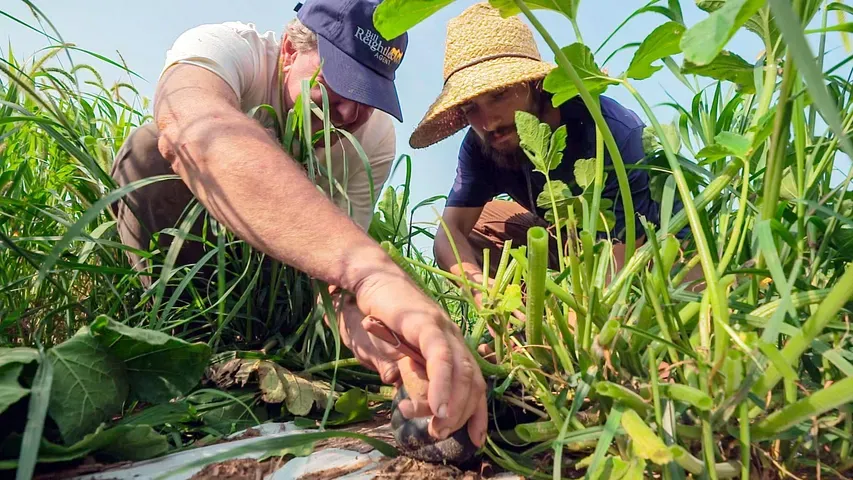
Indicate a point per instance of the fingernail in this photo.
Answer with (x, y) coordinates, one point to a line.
(442, 411)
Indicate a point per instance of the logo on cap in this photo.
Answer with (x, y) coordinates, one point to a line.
(385, 53)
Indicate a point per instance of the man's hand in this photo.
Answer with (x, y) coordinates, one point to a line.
(370, 351)
(456, 392)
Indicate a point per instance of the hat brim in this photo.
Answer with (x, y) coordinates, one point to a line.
(352, 80)
(444, 117)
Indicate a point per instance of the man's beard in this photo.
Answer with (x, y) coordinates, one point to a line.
(513, 159)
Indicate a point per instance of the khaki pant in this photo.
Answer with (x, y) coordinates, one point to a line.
(500, 221)
(152, 208)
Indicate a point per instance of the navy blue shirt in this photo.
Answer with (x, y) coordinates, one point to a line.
(479, 179)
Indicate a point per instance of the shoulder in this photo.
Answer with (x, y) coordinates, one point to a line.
(213, 40)
(621, 120)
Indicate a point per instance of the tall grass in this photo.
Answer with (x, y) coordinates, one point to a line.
(745, 373)
(637, 372)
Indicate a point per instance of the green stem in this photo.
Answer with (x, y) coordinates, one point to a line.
(744, 439)
(537, 271)
(595, 110)
(743, 206)
(345, 363)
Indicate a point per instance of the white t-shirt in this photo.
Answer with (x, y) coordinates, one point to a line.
(248, 60)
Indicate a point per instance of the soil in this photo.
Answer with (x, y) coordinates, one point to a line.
(241, 469)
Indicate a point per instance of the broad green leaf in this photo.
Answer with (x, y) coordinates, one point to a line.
(647, 444)
(562, 195)
(726, 144)
(735, 143)
(89, 385)
(664, 41)
(508, 8)
(351, 407)
(727, 66)
(393, 18)
(704, 41)
(558, 83)
(555, 150)
(10, 390)
(22, 355)
(534, 138)
(585, 172)
(159, 367)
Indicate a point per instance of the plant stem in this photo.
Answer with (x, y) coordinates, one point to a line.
(595, 110)
(537, 271)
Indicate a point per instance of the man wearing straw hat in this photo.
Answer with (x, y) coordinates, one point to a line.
(492, 68)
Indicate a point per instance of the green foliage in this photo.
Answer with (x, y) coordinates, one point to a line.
(150, 358)
(594, 80)
(630, 369)
(392, 18)
(569, 8)
(726, 66)
(90, 386)
(704, 41)
(664, 41)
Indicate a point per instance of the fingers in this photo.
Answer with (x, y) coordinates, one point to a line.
(438, 353)
(479, 423)
(415, 380)
(467, 389)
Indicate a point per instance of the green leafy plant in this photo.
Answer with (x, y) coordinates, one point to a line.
(659, 371)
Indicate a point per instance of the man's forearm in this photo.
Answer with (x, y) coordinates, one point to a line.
(247, 182)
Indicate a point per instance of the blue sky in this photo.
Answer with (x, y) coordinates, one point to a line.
(142, 32)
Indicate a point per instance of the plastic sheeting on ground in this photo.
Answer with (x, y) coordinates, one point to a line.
(359, 466)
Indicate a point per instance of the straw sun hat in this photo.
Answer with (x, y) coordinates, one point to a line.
(483, 52)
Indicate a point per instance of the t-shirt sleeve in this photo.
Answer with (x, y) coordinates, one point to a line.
(473, 186)
(219, 48)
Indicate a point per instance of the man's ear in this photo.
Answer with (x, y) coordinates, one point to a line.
(288, 53)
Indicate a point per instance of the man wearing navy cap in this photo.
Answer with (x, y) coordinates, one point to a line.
(227, 160)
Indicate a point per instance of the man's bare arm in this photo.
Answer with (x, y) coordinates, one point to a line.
(247, 181)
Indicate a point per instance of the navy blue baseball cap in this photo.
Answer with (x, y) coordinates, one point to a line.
(358, 63)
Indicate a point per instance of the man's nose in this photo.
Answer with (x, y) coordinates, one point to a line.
(347, 112)
(491, 123)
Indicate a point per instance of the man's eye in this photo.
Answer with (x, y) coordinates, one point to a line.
(499, 95)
